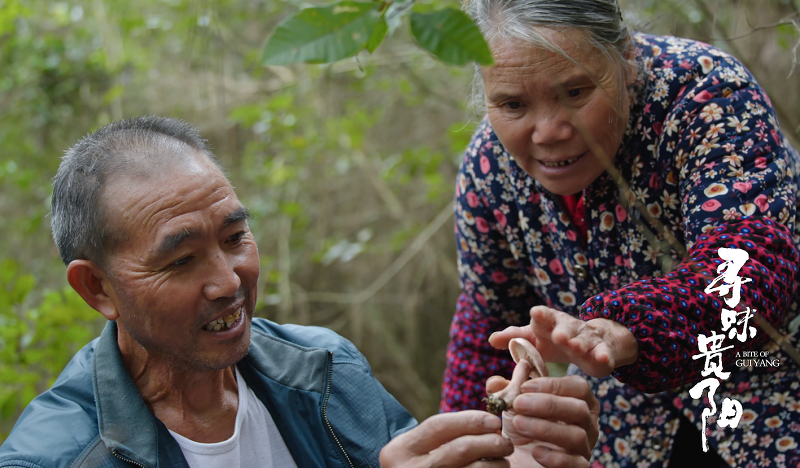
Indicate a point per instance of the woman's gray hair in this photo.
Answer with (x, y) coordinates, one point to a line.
(601, 20)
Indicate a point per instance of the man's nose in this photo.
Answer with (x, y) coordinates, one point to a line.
(223, 280)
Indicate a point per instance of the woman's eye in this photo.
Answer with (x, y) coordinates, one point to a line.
(513, 105)
(573, 93)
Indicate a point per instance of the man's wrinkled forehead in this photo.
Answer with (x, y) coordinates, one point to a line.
(126, 188)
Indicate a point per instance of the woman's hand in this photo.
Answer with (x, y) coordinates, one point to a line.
(552, 424)
(597, 346)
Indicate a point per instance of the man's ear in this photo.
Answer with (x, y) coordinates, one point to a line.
(93, 285)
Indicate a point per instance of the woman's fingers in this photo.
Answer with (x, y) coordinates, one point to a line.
(574, 338)
(590, 351)
(500, 340)
(544, 318)
(563, 338)
(596, 346)
(602, 355)
(623, 347)
(554, 325)
(559, 337)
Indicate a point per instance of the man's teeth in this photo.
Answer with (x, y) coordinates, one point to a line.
(561, 163)
(224, 322)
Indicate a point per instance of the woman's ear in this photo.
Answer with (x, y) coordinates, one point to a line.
(93, 285)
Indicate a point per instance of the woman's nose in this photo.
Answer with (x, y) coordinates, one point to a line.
(550, 128)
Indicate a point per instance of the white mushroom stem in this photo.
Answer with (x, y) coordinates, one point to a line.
(530, 365)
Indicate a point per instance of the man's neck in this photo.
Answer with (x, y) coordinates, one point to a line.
(200, 406)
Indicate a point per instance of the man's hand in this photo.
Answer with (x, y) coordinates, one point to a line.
(597, 346)
(552, 424)
(450, 440)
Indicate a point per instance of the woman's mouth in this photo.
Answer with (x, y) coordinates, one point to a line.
(562, 163)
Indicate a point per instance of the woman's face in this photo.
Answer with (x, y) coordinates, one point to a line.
(561, 122)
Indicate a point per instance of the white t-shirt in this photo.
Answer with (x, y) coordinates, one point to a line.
(256, 442)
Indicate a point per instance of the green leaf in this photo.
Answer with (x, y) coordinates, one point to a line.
(323, 34)
(378, 35)
(450, 35)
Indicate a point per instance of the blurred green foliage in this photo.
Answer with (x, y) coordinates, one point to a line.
(341, 174)
(36, 342)
(348, 167)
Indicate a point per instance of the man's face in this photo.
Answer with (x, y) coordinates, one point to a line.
(188, 260)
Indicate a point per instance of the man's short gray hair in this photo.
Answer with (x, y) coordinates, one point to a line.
(134, 147)
(601, 20)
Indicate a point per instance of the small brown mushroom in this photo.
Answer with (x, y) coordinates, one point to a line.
(530, 365)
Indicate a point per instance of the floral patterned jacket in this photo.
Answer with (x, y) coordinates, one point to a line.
(703, 165)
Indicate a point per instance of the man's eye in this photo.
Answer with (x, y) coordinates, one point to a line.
(182, 261)
(236, 238)
(513, 105)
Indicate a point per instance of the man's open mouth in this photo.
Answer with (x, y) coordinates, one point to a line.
(223, 323)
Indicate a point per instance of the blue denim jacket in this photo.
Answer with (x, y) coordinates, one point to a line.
(317, 386)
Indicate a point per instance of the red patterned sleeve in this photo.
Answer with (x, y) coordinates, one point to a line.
(491, 267)
(470, 358)
(666, 314)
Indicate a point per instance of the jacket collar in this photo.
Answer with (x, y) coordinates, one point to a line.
(126, 425)
(287, 363)
(292, 383)
(129, 429)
